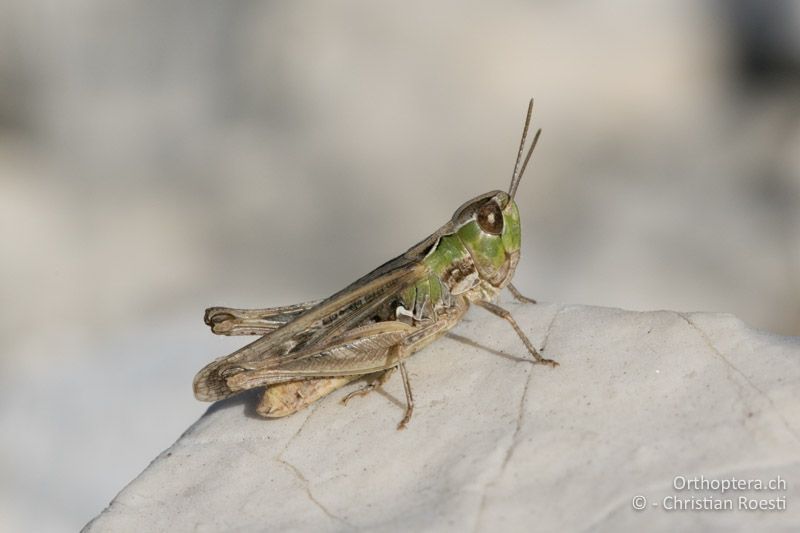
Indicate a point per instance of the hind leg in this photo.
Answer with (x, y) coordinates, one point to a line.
(285, 399)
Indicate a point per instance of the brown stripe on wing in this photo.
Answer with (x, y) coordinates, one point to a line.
(308, 328)
(329, 318)
(362, 350)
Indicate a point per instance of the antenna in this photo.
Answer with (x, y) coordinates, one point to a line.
(518, 172)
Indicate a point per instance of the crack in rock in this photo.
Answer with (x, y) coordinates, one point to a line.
(733, 367)
(303, 480)
(307, 488)
(517, 428)
(299, 430)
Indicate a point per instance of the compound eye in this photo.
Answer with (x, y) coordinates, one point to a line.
(490, 218)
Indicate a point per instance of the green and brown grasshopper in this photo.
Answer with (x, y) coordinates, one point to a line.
(371, 327)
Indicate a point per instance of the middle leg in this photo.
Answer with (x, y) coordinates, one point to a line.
(377, 382)
(409, 397)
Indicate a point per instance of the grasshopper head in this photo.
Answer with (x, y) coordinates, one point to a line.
(489, 227)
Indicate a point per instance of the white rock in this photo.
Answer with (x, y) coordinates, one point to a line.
(499, 444)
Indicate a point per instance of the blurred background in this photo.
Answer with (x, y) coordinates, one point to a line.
(157, 158)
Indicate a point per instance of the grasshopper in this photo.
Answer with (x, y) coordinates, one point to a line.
(369, 329)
